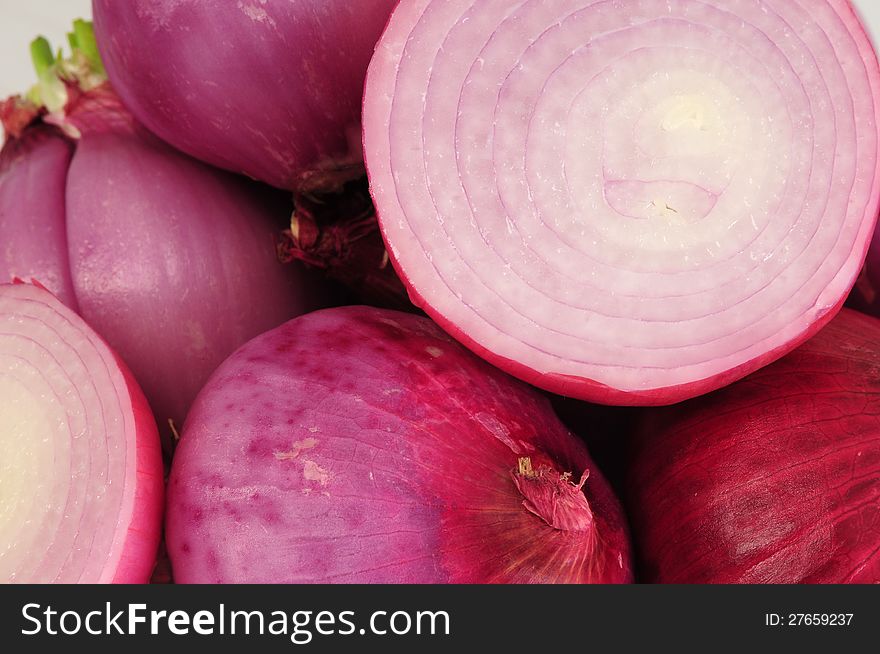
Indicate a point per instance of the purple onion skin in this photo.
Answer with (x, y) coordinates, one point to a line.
(33, 240)
(360, 445)
(774, 479)
(269, 89)
(173, 262)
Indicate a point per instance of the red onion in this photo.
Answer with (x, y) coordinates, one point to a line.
(80, 468)
(270, 88)
(173, 262)
(33, 240)
(625, 202)
(364, 445)
(775, 479)
(170, 260)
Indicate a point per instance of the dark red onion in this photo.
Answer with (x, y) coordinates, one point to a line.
(775, 479)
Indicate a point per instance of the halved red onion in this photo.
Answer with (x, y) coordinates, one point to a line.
(627, 202)
(80, 467)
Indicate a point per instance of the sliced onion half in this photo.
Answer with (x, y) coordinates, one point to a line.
(627, 202)
(80, 466)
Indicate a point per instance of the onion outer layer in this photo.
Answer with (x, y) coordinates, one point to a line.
(359, 445)
(775, 479)
(280, 94)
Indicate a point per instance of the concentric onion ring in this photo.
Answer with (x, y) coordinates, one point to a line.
(80, 468)
(627, 202)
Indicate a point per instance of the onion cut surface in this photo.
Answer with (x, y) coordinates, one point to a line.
(80, 469)
(630, 203)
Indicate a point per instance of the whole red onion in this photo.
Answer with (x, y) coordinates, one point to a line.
(271, 89)
(364, 445)
(775, 479)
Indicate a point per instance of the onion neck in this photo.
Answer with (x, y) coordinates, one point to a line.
(334, 228)
(71, 92)
(95, 111)
(552, 496)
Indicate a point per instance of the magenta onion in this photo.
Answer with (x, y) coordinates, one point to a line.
(80, 469)
(173, 262)
(775, 479)
(270, 88)
(364, 445)
(33, 238)
(625, 202)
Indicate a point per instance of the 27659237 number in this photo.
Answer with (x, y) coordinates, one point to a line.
(808, 619)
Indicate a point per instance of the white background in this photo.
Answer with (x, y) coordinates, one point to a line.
(22, 20)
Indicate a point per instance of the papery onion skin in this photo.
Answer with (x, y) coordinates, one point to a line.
(33, 240)
(135, 522)
(364, 445)
(775, 479)
(333, 228)
(278, 94)
(465, 127)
